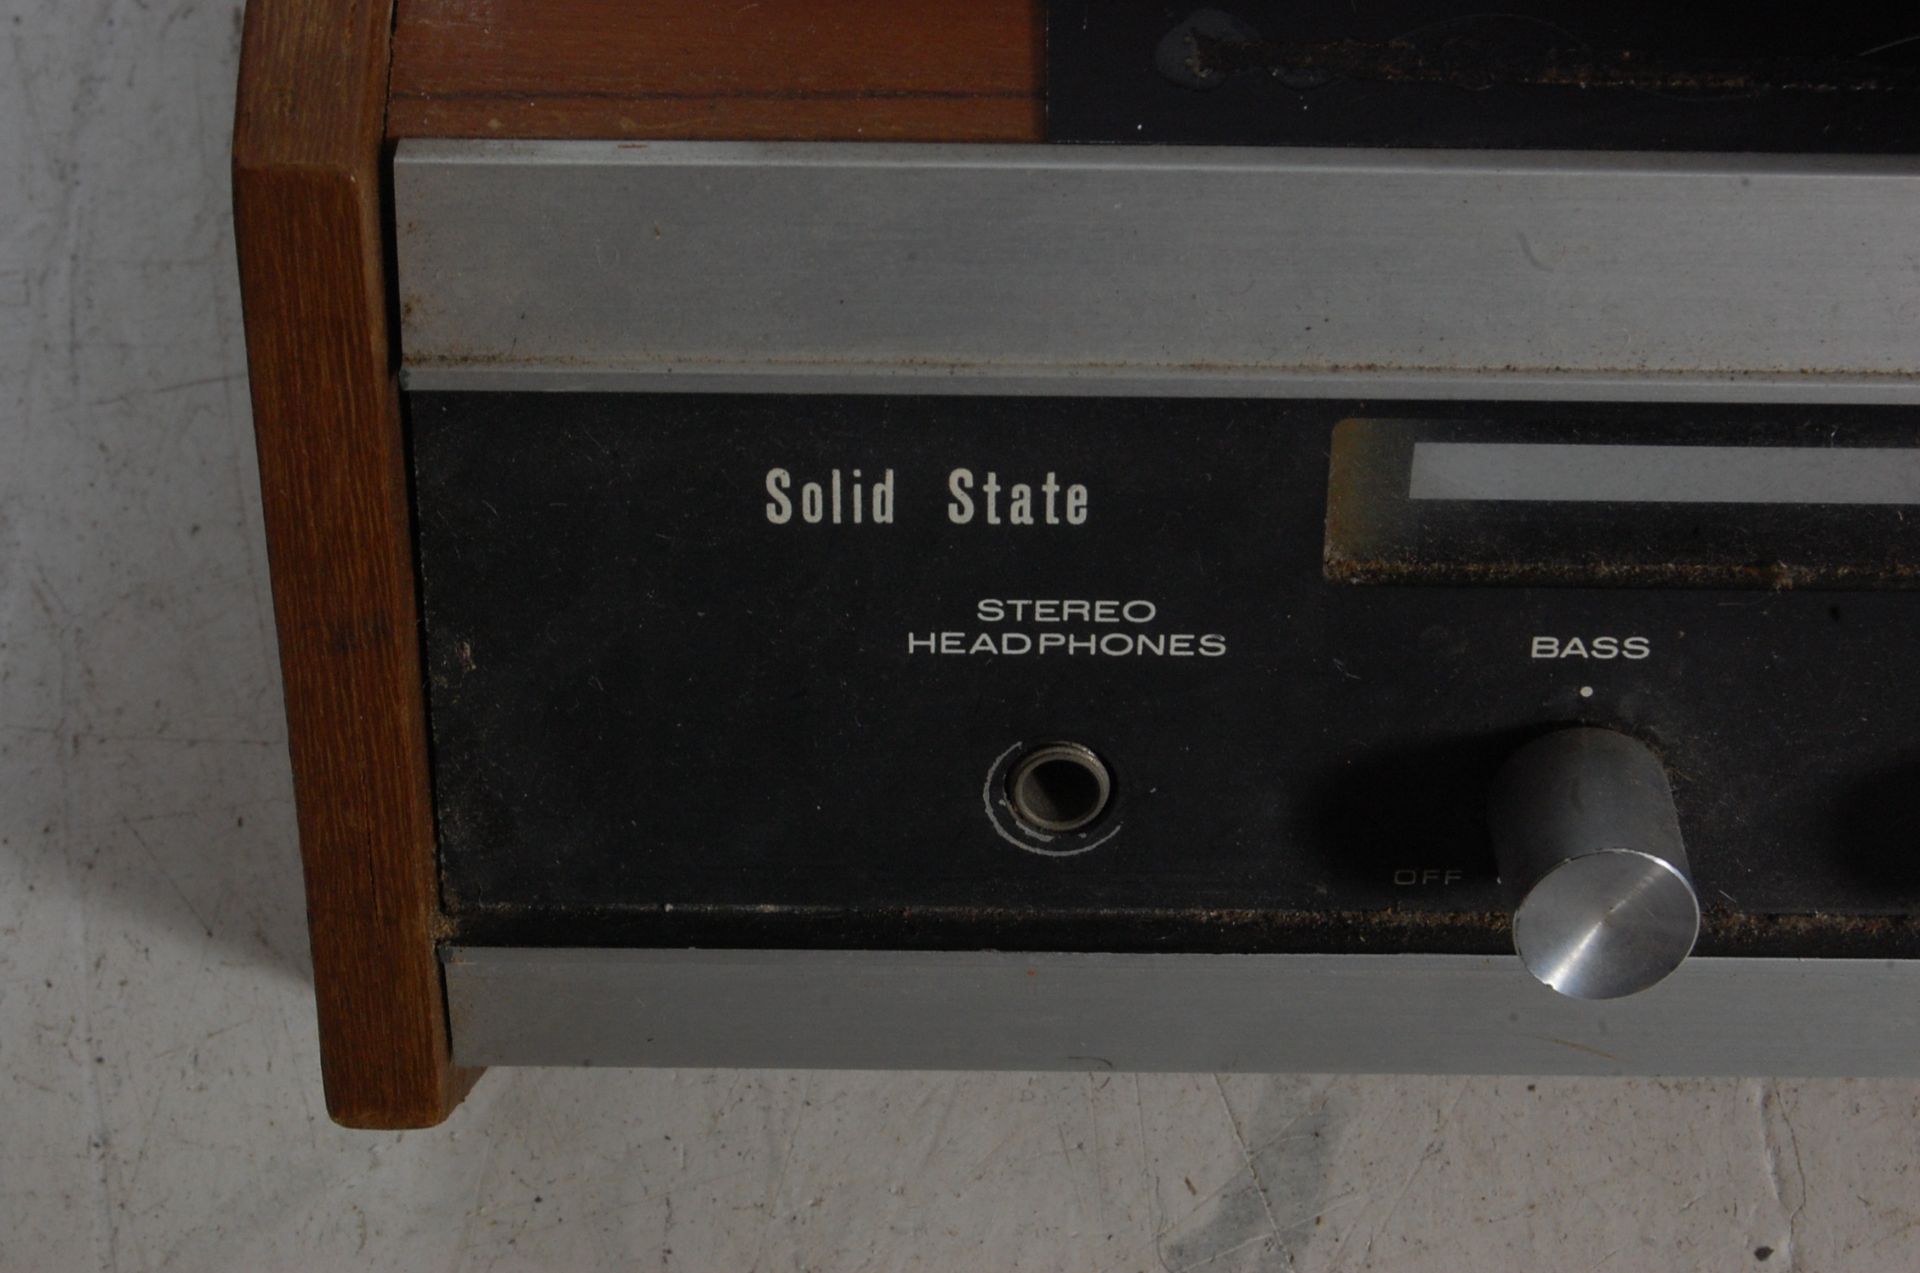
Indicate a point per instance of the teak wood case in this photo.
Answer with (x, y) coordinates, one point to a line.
(324, 86)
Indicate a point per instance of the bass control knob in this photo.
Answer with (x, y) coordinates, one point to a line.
(1591, 863)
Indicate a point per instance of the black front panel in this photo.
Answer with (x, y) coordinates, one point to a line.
(683, 693)
(1714, 75)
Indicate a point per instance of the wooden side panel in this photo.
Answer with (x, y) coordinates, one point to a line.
(899, 70)
(307, 164)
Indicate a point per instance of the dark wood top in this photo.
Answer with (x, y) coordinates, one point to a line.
(909, 70)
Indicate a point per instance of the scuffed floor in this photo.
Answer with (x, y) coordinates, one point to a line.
(159, 1097)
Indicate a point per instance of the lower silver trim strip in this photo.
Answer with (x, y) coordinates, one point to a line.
(1417, 1014)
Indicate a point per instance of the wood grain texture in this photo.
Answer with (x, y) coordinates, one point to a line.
(307, 207)
(817, 70)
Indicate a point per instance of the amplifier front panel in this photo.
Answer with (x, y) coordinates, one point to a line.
(1054, 605)
(737, 670)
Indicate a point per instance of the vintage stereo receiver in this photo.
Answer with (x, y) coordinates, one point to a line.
(1120, 537)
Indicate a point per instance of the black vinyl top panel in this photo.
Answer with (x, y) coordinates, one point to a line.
(1538, 74)
(663, 714)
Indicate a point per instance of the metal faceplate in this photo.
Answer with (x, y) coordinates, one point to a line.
(1164, 271)
(747, 671)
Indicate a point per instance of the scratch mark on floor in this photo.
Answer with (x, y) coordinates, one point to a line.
(780, 1177)
(1246, 1156)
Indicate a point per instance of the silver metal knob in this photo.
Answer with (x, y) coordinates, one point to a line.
(1591, 863)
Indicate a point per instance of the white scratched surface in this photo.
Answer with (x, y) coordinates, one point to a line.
(159, 1095)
